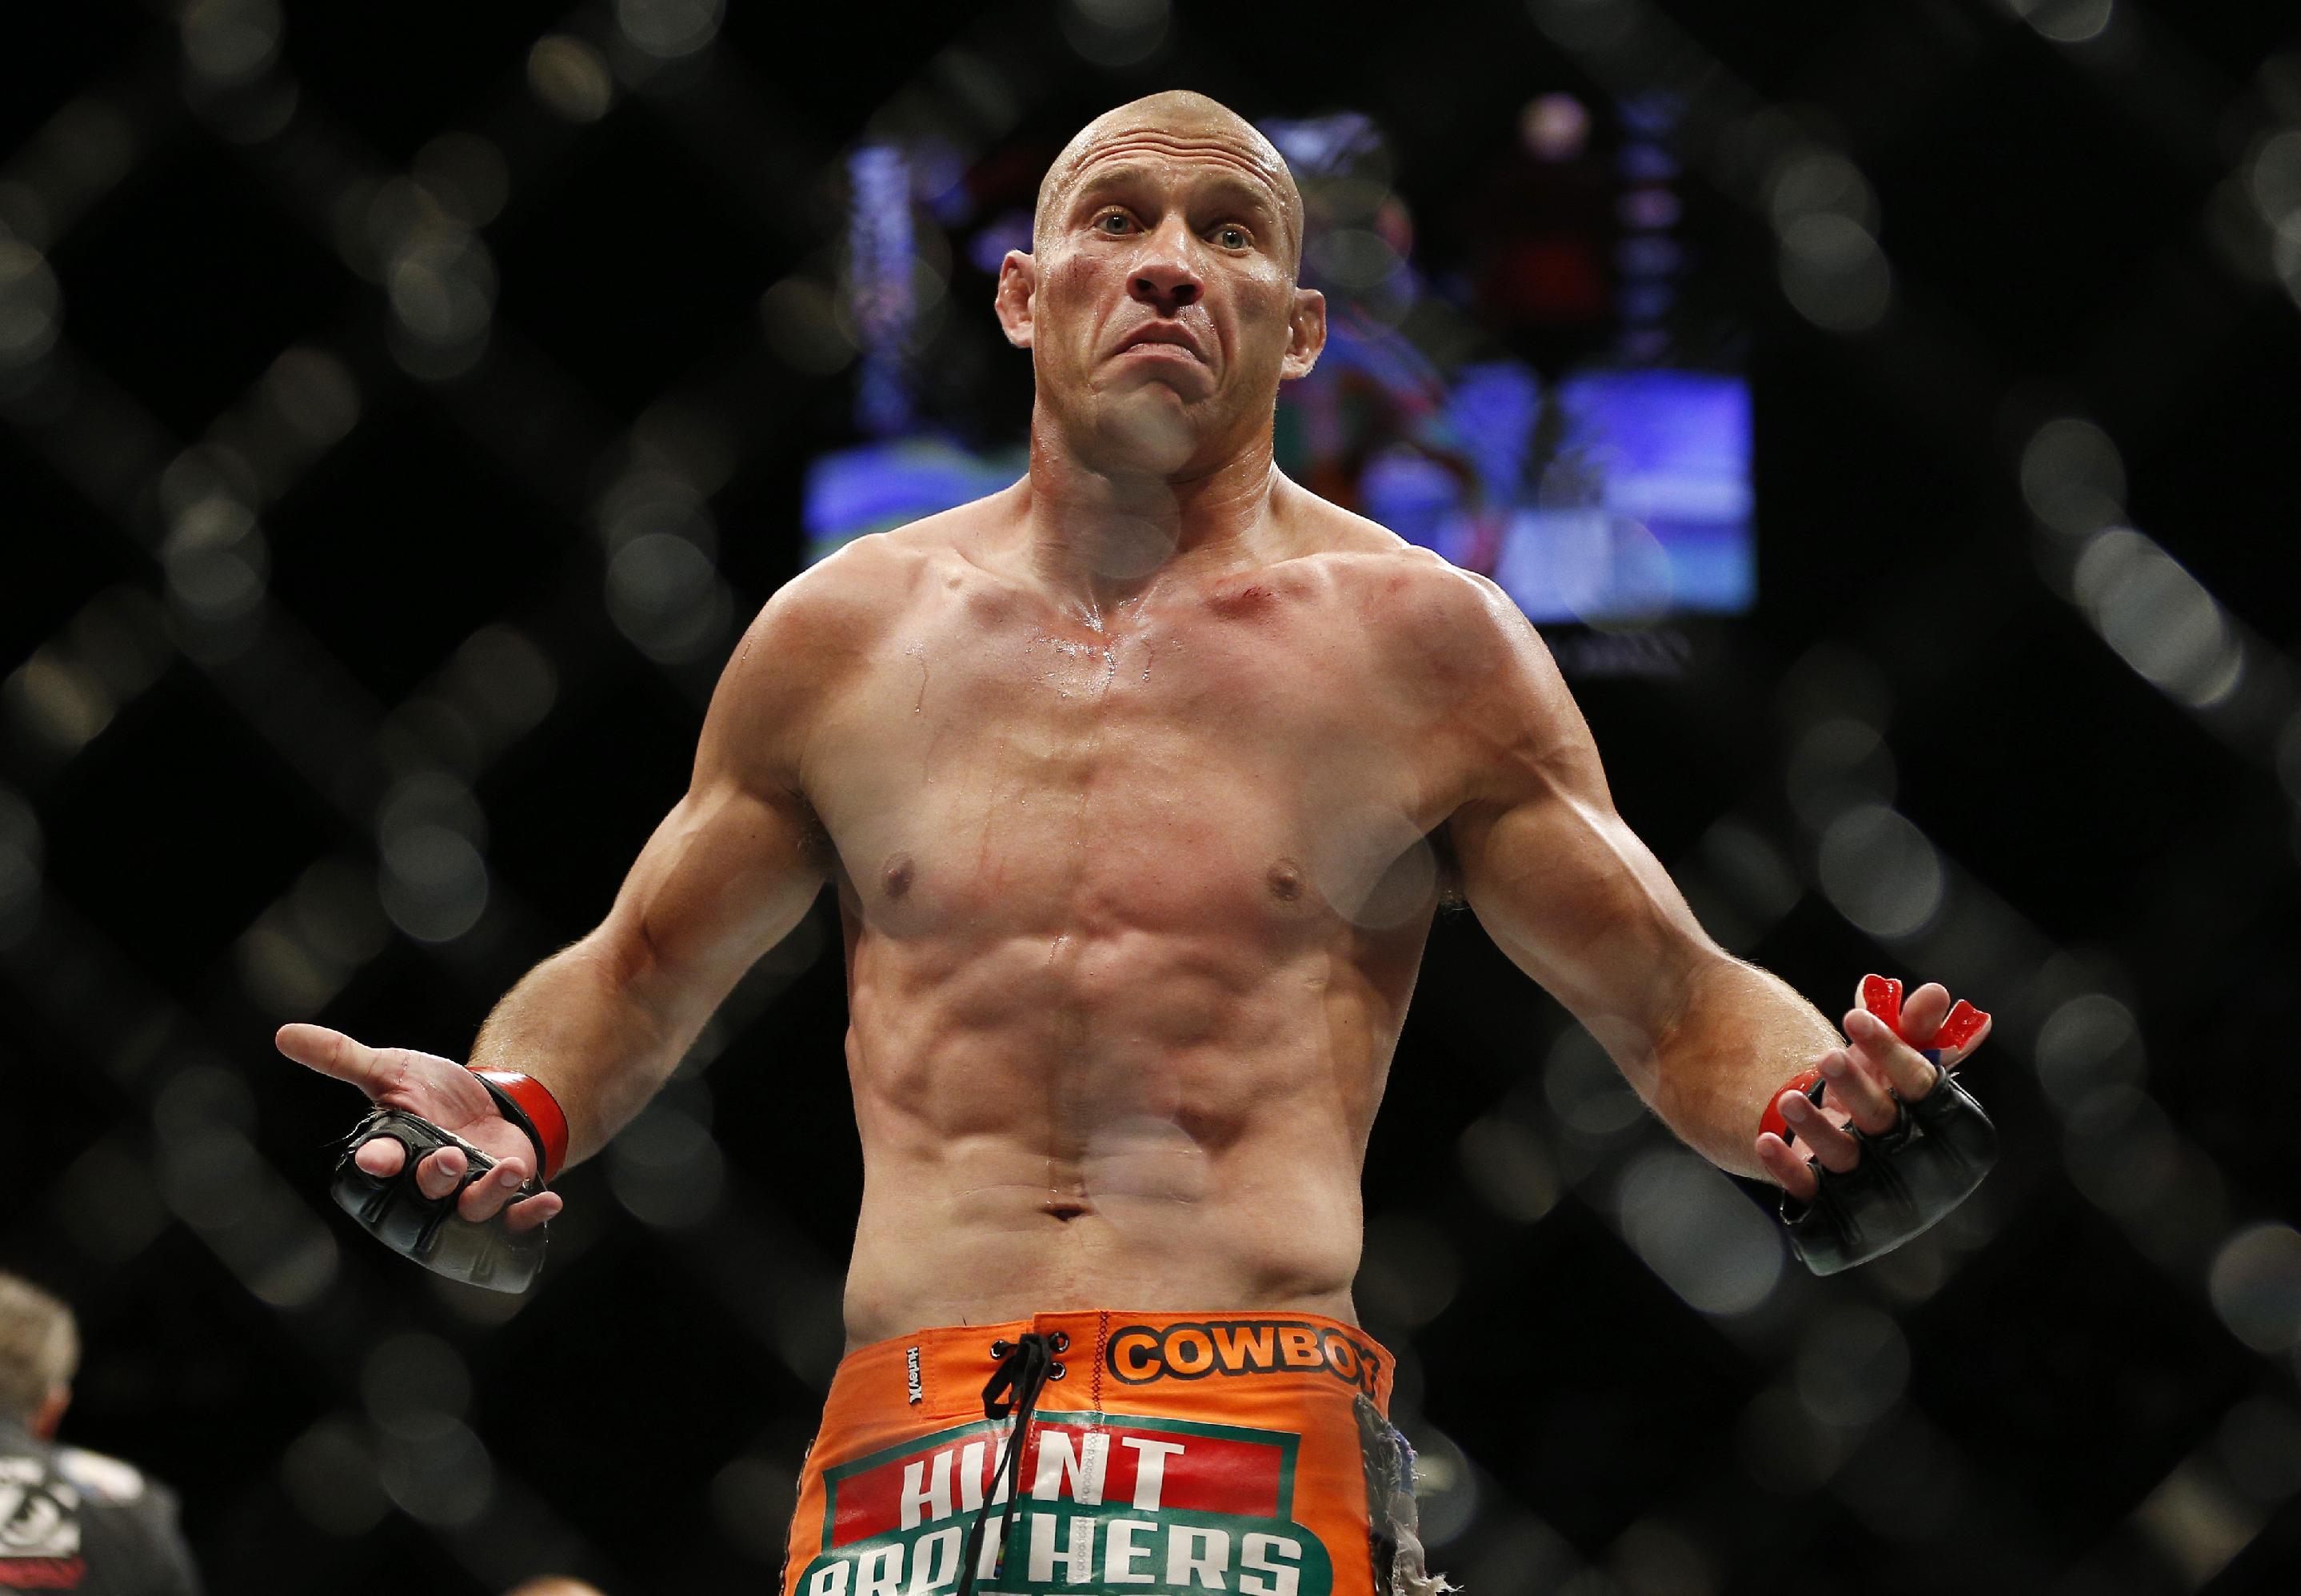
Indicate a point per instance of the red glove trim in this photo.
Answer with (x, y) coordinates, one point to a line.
(543, 1111)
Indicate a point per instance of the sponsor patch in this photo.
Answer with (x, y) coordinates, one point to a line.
(1106, 1501)
(1139, 1354)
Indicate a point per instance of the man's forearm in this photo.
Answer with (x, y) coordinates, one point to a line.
(1741, 1032)
(581, 1023)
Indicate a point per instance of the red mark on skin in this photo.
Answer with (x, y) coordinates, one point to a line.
(1251, 597)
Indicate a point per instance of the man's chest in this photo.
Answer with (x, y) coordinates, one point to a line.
(1179, 765)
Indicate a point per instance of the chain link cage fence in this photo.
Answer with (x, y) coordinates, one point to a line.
(401, 411)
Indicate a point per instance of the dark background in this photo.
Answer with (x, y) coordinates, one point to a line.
(342, 679)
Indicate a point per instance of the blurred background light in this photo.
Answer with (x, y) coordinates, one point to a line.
(571, 77)
(415, 1385)
(2158, 618)
(2072, 477)
(751, 1501)
(2065, 22)
(1410, 1271)
(1706, 1241)
(666, 1168)
(2256, 1286)
(669, 29)
(434, 883)
(1834, 272)
(1881, 873)
(2259, 1444)
(1852, 1366)
(229, 42)
(1510, 1168)
(21, 854)
(393, 418)
(31, 306)
(2088, 1049)
(329, 1472)
(1555, 127)
(1114, 33)
(445, 1479)
(1585, 1089)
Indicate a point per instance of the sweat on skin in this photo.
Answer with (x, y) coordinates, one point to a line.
(1078, 760)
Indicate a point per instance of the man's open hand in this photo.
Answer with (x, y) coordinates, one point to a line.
(1863, 1082)
(450, 1097)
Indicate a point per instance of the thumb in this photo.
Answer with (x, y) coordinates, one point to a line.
(332, 1053)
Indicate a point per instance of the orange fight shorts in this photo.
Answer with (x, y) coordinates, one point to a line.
(1162, 1454)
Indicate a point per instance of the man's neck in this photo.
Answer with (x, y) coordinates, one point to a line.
(1101, 537)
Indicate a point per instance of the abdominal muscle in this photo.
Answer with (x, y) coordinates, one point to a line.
(1119, 1126)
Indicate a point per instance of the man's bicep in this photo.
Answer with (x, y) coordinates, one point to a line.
(735, 864)
(1558, 878)
(1580, 903)
(728, 874)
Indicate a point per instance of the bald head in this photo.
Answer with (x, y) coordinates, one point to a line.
(1182, 122)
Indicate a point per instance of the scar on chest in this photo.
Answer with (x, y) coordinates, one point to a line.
(1285, 880)
(895, 877)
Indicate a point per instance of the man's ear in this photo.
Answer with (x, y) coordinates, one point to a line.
(1018, 282)
(51, 1412)
(1306, 335)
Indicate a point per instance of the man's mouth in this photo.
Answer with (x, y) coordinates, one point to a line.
(1162, 343)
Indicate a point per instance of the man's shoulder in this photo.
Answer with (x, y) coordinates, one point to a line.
(866, 582)
(1412, 600)
(102, 1478)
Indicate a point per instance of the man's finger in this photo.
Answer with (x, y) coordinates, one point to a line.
(1902, 1065)
(1788, 1171)
(524, 1215)
(439, 1174)
(1923, 1012)
(332, 1053)
(484, 1197)
(381, 1156)
(1831, 1145)
(1861, 1095)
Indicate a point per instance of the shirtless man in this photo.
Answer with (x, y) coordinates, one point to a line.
(1137, 782)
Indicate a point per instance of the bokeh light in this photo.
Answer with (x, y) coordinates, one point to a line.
(401, 421)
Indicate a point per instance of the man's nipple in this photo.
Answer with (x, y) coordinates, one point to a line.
(1285, 880)
(895, 879)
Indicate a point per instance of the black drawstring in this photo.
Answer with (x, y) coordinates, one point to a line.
(1025, 1367)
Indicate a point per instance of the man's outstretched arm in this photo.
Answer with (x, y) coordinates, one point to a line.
(601, 1025)
(728, 873)
(1568, 890)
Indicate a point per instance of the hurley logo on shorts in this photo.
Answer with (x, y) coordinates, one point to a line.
(911, 1380)
(1139, 1354)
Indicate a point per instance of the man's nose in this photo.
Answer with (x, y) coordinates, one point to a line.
(1164, 277)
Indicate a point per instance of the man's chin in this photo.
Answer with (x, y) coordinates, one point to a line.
(1150, 427)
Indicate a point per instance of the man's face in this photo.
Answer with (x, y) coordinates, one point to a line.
(1160, 308)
